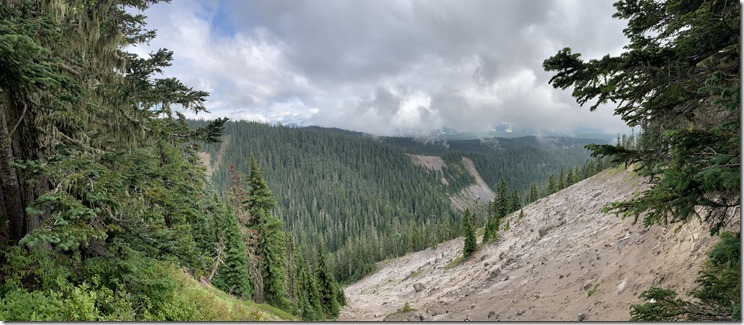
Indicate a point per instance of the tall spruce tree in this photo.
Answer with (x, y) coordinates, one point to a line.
(308, 298)
(259, 195)
(273, 251)
(271, 237)
(326, 290)
(533, 193)
(232, 276)
(552, 185)
(469, 233)
(516, 202)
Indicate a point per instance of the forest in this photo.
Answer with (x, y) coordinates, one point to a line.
(107, 212)
(364, 198)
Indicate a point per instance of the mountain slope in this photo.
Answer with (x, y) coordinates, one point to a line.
(365, 197)
(544, 267)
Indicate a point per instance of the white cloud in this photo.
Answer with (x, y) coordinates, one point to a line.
(385, 66)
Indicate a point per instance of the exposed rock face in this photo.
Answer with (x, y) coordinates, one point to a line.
(535, 275)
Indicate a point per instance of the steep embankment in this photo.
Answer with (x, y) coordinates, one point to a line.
(544, 267)
(472, 196)
(206, 158)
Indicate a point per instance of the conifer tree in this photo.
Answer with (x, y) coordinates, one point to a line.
(516, 202)
(308, 298)
(533, 193)
(232, 277)
(327, 293)
(259, 195)
(561, 180)
(552, 186)
(273, 251)
(469, 233)
(272, 245)
(341, 295)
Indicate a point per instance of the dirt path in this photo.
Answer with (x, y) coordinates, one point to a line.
(544, 267)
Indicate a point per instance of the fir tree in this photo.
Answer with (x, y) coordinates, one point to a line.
(516, 202)
(232, 277)
(469, 233)
(259, 195)
(552, 186)
(533, 193)
(327, 293)
(308, 298)
(273, 251)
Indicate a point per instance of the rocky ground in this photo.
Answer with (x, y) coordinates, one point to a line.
(564, 261)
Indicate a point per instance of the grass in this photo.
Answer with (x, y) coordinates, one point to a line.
(591, 291)
(454, 262)
(405, 309)
(211, 304)
(480, 231)
(414, 274)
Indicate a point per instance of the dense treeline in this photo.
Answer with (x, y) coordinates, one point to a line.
(104, 202)
(364, 199)
(361, 199)
(520, 162)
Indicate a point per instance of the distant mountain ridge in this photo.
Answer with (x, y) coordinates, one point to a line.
(364, 196)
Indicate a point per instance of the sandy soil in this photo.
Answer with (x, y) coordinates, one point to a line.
(544, 267)
(476, 194)
(206, 158)
(434, 163)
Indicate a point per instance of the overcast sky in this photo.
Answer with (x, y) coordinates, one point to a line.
(387, 67)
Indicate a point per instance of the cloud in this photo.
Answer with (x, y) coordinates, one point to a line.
(387, 66)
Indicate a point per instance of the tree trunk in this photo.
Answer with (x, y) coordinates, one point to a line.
(10, 187)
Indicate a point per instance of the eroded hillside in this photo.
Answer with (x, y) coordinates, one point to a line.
(564, 261)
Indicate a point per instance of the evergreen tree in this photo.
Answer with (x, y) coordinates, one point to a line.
(273, 251)
(688, 54)
(569, 178)
(308, 299)
(533, 193)
(469, 233)
(492, 222)
(516, 202)
(561, 180)
(326, 290)
(259, 195)
(552, 186)
(272, 242)
(232, 276)
(340, 294)
(503, 200)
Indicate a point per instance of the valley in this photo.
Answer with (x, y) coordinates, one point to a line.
(371, 198)
(564, 261)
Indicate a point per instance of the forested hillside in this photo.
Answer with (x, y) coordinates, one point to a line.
(364, 196)
(105, 211)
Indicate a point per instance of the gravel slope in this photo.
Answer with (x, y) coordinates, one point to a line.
(543, 267)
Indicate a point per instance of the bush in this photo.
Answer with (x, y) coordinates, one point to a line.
(717, 298)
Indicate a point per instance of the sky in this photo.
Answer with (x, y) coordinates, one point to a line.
(387, 67)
